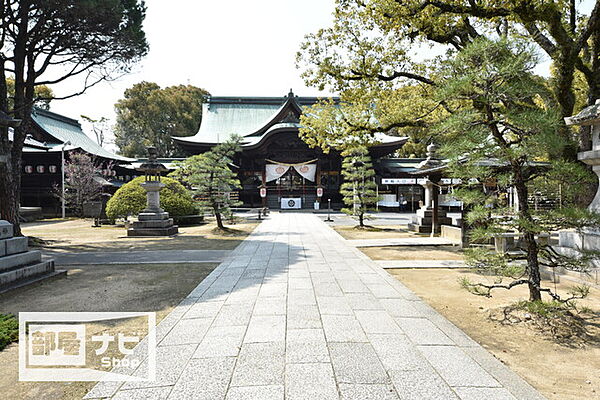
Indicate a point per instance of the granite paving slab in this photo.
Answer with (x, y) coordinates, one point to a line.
(297, 312)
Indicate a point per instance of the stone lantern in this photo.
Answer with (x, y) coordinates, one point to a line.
(588, 238)
(153, 220)
(590, 116)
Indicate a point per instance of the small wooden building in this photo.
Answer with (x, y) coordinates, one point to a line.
(49, 135)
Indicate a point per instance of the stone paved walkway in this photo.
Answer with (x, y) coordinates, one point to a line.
(296, 313)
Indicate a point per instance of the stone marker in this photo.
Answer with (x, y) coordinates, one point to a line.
(20, 266)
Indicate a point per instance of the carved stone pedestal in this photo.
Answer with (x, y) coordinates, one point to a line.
(423, 221)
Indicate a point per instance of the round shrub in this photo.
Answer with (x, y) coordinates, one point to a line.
(130, 199)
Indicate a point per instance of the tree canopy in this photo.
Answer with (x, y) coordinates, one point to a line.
(377, 48)
(149, 115)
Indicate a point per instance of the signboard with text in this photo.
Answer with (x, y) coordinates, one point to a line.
(398, 181)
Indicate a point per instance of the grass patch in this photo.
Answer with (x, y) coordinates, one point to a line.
(9, 330)
(544, 309)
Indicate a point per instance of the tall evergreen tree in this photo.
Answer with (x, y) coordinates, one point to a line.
(46, 43)
(359, 189)
(211, 178)
(150, 115)
(500, 133)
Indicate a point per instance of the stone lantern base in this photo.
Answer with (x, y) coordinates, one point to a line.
(153, 221)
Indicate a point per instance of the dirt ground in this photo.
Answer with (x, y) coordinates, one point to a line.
(78, 235)
(413, 253)
(155, 287)
(374, 232)
(559, 371)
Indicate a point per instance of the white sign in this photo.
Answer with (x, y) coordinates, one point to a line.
(398, 181)
(291, 202)
(448, 181)
(54, 347)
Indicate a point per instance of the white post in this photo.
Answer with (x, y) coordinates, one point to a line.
(62, 169)
(376, 195)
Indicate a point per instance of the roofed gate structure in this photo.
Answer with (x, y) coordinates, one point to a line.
(273, 155)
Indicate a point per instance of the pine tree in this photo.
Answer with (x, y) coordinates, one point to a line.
(358, 190)
(211, 178)
(503, 134)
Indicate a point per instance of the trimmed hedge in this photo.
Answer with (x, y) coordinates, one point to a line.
(130, 199)
(9, 330)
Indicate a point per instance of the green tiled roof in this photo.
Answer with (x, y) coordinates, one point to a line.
(69, 130)
(245, 116)
(254, 118)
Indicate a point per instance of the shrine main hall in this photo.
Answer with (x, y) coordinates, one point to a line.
(276, 168)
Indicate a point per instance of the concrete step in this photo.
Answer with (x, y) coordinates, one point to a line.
(33, 279)
(9, 277)
(14, 260)
(419, 228)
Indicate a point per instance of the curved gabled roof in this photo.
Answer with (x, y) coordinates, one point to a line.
(65, 129)
(255, 119)
(244, 116)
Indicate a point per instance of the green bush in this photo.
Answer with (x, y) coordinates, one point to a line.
(130, 199)
(9, 330)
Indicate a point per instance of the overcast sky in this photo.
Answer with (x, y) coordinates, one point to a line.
(228, 47)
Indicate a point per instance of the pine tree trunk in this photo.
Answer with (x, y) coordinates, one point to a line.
(10, 181)
(361, 220)
(9, 196)
(219, 218)
(531, 247)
